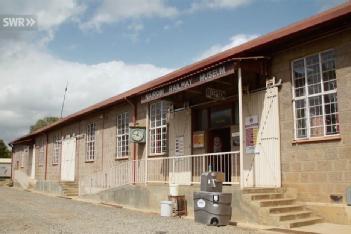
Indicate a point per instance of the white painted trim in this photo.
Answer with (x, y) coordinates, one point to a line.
(240, 95)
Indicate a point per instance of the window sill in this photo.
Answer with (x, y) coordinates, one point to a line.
(90, 161)
(157, 155)
(121, 158)
(55, 164)
(317, 139)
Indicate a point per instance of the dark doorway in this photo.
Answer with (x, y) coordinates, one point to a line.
(219, 141)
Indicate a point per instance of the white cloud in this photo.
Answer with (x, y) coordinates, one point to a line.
(175, 24)
(217, 4)
(116, 10)
(134, 30)
(49, 13)
(234, 41)
(33, 83)
(326, 4)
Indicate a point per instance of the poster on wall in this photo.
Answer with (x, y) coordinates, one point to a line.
(251, 131)
(179, 146)
(198, 139)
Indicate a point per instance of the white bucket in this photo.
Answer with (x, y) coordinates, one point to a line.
(166, 208)
(174, 189)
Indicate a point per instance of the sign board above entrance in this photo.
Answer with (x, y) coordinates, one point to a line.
(190, 82)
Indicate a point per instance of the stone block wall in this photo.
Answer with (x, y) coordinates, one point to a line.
(317, 169)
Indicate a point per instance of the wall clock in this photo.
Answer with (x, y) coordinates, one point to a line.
(137, 134)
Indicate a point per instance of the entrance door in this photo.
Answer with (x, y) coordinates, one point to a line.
(219, 141)
(68, 159)
(32, 161)
(261, 166)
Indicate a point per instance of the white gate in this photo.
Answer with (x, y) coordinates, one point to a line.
(180, 138)
(32, 168)
(68, 159)
(262, 157)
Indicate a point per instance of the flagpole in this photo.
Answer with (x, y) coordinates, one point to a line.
(64, 98)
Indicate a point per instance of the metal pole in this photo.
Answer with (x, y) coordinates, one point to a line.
(147, 140)
(64, 98)
(240, 95)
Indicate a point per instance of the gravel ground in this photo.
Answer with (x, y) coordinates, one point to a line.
(26, 212)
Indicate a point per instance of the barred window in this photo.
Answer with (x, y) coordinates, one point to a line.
(90, 142)
(57, 150)
(41, 155)
(122, 135)
(315, 95)
(158, 127)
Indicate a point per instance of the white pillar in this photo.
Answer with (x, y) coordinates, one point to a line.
(240, 95)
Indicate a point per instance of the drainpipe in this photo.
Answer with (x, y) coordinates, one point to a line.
(240, 95)
(46, 155)
(134, 106)
(147, 141)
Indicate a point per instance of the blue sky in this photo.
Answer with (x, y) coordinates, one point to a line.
(175, 41)
(104, 47)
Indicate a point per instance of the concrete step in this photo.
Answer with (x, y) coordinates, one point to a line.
(262, 190)
(292, 215)
(276, 202)
(285, 208)
(73, 188)
(300, 222)
(66, 192)
(71, 194)
(69, 185)
(70, 190)
(265, 196)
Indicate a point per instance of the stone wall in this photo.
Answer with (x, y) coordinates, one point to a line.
(316, 169)
(148, 197)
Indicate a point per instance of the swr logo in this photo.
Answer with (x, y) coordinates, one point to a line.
(18, 22)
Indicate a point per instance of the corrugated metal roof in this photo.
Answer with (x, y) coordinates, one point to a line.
(266, 40)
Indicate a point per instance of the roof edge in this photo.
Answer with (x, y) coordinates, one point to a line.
(318, 19)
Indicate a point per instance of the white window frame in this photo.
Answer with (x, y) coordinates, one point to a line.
(306, 97)
(122, 135)
(57, 150)
(90, 142)
(158, 129)
(41, 153)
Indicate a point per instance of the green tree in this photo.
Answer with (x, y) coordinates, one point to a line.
(4, 151)
(43, 123)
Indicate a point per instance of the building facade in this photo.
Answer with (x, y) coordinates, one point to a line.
(273, 112)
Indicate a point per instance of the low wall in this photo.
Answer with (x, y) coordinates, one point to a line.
(333, 213)
(148, 197)
(5, 170)
(48, 186)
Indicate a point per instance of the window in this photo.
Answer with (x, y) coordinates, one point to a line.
(158, 127)
(90, 142)
(57, 150)
(221, 118)
(315, 96)
(122, 135)
(41, 152)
